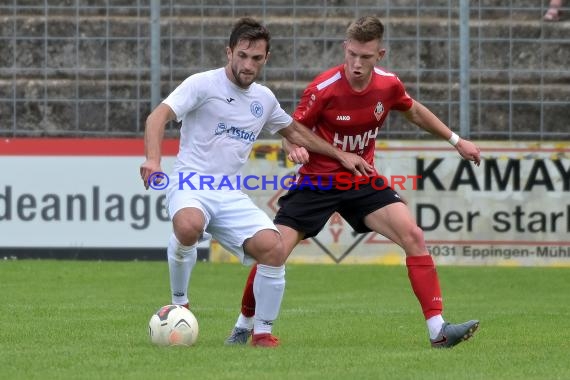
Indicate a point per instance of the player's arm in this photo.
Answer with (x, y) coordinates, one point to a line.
(425, 119)
(153, 135)
(294, 152)
(302, 136)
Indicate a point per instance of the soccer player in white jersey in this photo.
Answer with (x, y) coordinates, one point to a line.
(222, 112)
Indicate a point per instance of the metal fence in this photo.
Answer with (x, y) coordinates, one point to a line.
(85, 67)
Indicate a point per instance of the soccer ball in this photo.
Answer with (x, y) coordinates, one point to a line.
(173, 325)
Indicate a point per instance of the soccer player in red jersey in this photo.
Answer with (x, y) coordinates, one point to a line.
(346, 105)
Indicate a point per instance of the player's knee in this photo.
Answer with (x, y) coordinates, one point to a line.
(417, 235)
(267, 248)
(188, 225)
(414, 239)
(186, 232)
(275, 256)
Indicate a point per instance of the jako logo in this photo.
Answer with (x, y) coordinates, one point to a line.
(343, 117)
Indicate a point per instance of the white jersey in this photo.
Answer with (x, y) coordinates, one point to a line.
(220, 123)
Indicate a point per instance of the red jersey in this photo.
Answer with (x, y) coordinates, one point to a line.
(345, 118)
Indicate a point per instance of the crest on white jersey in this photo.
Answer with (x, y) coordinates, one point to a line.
(256, 109)
(379, 111)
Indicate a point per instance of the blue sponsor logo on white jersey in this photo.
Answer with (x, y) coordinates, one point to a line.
(235, 133)
(221, 128)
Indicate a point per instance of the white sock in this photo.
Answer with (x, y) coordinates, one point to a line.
(434, 325)
(244, 322)
(268, 288)
(181, 260)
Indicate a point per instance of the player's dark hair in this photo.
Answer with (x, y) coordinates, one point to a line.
(250, 30)
(365, 29)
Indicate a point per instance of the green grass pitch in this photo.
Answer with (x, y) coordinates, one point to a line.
(88, 320)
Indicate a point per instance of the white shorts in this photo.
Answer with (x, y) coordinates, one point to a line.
(231, 216)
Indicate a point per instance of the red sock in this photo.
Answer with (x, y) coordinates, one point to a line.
(248, 299)
(425, 283)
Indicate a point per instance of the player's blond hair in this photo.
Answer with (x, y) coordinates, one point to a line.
(365, 29)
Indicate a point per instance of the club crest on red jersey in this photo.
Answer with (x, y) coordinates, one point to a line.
(379, 111)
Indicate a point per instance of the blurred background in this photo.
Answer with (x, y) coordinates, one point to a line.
(88, 68)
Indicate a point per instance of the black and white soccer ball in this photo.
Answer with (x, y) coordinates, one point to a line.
(173, 325)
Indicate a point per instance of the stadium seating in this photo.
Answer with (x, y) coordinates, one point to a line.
(94, 61)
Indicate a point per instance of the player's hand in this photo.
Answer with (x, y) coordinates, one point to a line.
(299, 155)
(355, 164)
(469, 151)
(147, 168)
